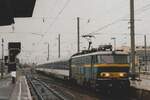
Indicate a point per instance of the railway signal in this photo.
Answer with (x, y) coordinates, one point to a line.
(6, 60)
(14, 49)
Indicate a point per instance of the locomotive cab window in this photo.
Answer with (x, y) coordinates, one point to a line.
(120, 59)
(109, 59)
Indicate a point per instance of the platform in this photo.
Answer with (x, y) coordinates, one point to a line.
(143, 83)
(18, 91)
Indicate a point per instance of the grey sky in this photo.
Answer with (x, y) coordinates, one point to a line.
(44, 26)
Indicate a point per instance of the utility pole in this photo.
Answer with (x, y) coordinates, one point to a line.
(2, 63)
(132, 33)
(78, 34)
(145, 48)
(58, 45)
(48, 53)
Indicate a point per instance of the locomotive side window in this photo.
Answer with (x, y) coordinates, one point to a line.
(121, 59)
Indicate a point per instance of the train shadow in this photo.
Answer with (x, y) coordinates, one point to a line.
(115, 93)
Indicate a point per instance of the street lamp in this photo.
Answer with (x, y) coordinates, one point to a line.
(47, 50)
(113, 38)
(2, 64)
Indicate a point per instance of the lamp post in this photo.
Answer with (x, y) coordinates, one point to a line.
(47, 50)
(58, 45)
(113, 38)
(2, 63)
(145, 51)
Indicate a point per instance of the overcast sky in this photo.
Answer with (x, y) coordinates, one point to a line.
(53, 17)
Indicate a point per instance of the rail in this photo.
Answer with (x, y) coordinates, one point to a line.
(35, 90)
(36, 83)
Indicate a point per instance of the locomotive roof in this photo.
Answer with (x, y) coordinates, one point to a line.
(100, 53)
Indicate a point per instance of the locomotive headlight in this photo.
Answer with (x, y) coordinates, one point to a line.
(106, 74)
(121, 74)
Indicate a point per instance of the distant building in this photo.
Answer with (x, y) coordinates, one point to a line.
(142, 60)
(124, 48)
(144, 56)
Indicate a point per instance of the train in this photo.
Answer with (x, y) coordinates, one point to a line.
(97, 68)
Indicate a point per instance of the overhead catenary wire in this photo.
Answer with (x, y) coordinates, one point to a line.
(54, 20)
(137, 11)
(59, 13)
(55, 3)
(102, 28)
(143, 9)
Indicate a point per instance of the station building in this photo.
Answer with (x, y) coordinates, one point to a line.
(142, 56)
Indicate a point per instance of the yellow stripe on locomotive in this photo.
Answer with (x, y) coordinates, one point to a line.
(107, 65)
(110, 74)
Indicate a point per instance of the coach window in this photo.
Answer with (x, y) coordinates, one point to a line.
(99, 58)
(95, 59)
(80, 60)
(89, 59)
(85, 60)
(77, 61)
(74, 61)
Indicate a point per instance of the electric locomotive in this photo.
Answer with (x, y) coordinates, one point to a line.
(100, 68)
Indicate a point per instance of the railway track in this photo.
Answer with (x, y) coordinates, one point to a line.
(43, 91)
(57, 84)
(48, 88)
